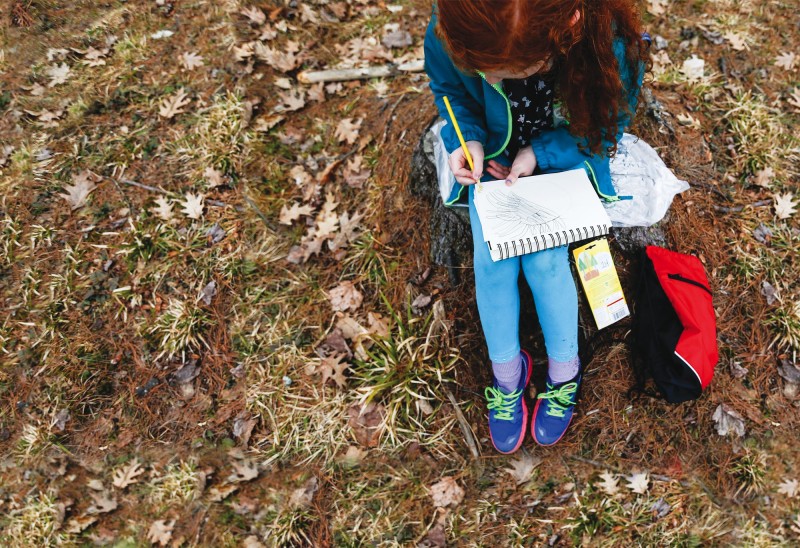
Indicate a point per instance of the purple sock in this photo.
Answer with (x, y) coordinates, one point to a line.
(508, 373)
(563, 371)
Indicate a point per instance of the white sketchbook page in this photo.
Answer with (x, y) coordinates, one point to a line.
(538, 206)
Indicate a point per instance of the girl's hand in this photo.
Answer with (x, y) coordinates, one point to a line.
(523, 165)
(460, 166)
(497, 170)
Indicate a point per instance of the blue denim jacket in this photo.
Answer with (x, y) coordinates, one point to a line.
(484, 115)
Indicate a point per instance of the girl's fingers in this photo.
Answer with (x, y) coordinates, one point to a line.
(495, 172)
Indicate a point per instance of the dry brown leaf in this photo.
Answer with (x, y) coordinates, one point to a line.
(786, 60)
(171, 106)
(736, 41)
(727, 420)
(93, 57)
(283, 61)
(347, 130)
(316, 92)
(79, 524)
(367, 422)
(291, 101)
(290, 214)
(160, 532)
(764, 177)
(345, 296)
(304, 496)
(688, 120)
(784, 205)
(218, 493)
(164, 209)
(104, 502)
(59, 74)
(378, 324)
(657, 7)
(213, 177)
(127, 474)
(243, 471)
(522, 467)
(256, 16)
(327, 224)
(308, 15)
(333, 367)
(83, 184)
(193, 205)
(191, 60)
(244, 52)
(638, 483)
(789, 487)
(610, 483)
(794, 99)
(446, 492)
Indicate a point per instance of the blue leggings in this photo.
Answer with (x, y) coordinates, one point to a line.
(497, 292)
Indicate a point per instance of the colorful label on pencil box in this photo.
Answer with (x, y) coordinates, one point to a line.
(600, 282)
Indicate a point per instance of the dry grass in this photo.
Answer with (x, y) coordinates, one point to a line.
(104, 307)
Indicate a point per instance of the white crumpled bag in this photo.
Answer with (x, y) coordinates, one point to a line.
(636, 170)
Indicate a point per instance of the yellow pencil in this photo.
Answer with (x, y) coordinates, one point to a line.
(458, 132)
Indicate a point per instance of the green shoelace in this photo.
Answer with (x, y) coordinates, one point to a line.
(560, 398)
(502, 404)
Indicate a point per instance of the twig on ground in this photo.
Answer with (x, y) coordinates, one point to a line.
(713, 189)
(258, 212)
(464, 425)
(735, 209)
(390, 118)
(341, 75)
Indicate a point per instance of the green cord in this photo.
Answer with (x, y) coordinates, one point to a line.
(503, 403)
(560, 398)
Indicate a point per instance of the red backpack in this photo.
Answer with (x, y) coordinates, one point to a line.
(674, 325)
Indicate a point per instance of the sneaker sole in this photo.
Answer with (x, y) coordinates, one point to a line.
(524, 411)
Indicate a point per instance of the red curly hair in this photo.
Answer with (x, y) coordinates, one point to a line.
(513, 35)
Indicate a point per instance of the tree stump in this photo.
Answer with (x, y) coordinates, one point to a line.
(450, 232)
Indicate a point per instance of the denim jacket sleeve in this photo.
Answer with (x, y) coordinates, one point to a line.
(447, 80)
(558, 150)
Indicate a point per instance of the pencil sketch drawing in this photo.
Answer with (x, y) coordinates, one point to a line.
(516, 216)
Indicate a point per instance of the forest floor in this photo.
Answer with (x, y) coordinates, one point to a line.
(221, 326)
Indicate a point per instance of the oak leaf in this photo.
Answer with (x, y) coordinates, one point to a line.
(789, 487)
(333, 367)
(786, 60)
(446, 492)
(290, 214)
(191, 60)
(610, 483)
(638, 483)
(347, 130)
(173, 105)
(164, 209)
(784, 205)
(127, 474)
(345, 296)
(160, 532)
(764, 177)
(522, 467)
(83, 184)
(193, 205)
(58, 74)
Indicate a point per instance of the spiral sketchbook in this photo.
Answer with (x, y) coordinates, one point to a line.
(539, 212)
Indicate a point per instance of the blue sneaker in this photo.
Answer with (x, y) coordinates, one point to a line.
(508, 413)
(553, 411)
